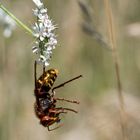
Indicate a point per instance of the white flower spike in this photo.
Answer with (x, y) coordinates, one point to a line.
(44, 33)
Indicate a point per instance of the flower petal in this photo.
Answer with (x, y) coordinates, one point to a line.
(38, 3)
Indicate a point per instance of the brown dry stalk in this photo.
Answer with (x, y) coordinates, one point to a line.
(112, 39)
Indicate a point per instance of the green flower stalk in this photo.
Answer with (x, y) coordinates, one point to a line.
(18, 22)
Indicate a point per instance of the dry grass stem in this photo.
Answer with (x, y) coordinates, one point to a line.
(112, 38)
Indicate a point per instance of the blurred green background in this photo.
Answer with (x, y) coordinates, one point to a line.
(77, 53)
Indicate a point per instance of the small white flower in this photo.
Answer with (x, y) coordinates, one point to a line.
(43, 11)
(38, 3)
(36, 11)
(35, 49)
(43, 60)
(52, 43)
(40, 31)
(49, 48)
(46, 63)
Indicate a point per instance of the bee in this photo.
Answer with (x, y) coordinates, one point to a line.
(45, 105)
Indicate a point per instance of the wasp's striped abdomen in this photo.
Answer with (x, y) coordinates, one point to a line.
(47, 79)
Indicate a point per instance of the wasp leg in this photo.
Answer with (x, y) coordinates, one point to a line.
(70, 101)
(61, 85)
(57, 111)
(68, 109)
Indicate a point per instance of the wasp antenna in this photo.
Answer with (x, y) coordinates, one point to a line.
(61, 85)
(35, 65)
(43, 68)
(70, 101)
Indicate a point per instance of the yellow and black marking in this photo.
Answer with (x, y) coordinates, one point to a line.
(47, 79)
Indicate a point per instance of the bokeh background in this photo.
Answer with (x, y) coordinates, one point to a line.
(78, 52)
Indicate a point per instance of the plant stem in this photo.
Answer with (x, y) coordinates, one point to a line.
(111, 32)
(16, 20)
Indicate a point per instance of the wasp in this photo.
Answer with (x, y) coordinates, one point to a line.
(45, 105)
